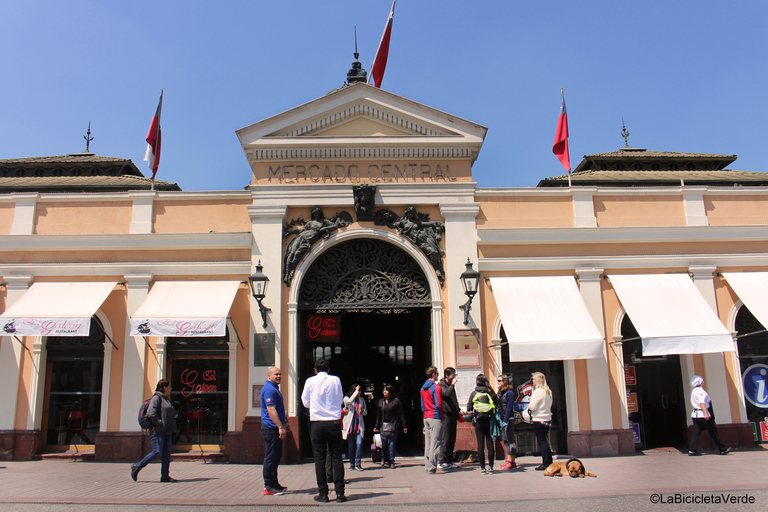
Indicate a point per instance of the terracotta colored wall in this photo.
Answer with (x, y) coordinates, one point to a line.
(622, 211)
(736, 210)
(240, 314)
(525, 212)
(198, 216)
(115, 310)
(7, 212)
(83, 218)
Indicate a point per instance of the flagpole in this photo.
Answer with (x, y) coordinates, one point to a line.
(562, 97)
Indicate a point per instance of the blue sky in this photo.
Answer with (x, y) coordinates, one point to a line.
(684, 75)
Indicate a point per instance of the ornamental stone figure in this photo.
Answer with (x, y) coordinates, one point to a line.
(425, 234)
(309, 233)
(365, 197)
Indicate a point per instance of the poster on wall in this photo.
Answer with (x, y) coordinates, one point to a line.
(467, 343)
(630, 378)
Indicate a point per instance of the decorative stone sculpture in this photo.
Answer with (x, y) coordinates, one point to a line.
(365, 198)
(421, 231)
(309, 233)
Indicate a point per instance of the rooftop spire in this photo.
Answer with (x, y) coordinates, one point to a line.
(88, 138)
(624, 133)
(357, 73)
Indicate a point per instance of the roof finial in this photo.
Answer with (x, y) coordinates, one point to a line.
(357, 73)
(624, 133)
(88, 138)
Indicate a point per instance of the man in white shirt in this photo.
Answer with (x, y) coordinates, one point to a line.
(323, 397)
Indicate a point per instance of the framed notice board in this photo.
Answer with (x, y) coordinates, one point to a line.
(467, 343)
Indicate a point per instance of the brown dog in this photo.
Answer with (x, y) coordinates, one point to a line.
(573, 468)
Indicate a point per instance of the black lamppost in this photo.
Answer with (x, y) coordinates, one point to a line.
(469, 279)
(259, 283)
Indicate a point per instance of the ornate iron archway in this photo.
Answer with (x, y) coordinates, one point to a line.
(364, 273)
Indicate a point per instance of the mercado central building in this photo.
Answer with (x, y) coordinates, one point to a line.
(361, 236)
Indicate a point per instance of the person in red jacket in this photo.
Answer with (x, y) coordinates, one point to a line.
(432, 405)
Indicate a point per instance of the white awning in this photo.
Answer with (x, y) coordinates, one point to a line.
(55, 309)
(670, 315)
(185, 309)
(752, 289)
(545, 319)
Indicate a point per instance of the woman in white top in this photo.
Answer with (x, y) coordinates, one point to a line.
(703, 417)
(540, 408)
(353, 426)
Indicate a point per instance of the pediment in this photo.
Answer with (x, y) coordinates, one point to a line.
(360, 111)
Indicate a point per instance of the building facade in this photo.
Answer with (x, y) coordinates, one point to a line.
(363, 214)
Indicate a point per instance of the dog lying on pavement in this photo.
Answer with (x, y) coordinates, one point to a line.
(573, 468)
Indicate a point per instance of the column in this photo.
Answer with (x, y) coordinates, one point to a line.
(267, 228)
(143, 210)
(597, 369)
(133, 356)
(24, 215)
(460, 245)
(584, 208)
(10, 355)
(714, 365)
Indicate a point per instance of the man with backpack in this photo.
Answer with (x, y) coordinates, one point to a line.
(162, 422)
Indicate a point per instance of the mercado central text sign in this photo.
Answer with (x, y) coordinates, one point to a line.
(395, 172)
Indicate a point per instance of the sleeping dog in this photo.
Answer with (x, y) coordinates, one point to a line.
(573, 468)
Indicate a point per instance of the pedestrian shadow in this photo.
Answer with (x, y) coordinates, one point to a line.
(365, 479)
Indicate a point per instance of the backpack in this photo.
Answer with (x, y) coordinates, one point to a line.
(144, 421)
(483, 405)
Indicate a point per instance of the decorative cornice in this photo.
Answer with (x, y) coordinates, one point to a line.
(335, 151)
(358, 110)
(126, 242)
(621, 235)
(137, 269)
(656, 261)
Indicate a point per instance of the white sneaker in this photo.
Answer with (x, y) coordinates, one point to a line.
(453, 466)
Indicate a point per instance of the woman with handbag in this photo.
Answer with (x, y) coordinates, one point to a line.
(389, 420)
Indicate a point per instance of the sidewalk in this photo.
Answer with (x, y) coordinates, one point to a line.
(203, 483)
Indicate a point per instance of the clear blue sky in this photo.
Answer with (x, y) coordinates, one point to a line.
(685, 76)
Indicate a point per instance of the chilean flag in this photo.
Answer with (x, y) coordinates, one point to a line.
(560, 147)
(380, 61)
(152, 156)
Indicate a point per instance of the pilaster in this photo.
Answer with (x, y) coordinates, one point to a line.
(133, 355)
(11, 352)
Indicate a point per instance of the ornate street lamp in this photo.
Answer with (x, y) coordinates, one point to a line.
(469, 279)
(259, 283)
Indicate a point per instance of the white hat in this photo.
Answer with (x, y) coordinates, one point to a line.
(696, 381)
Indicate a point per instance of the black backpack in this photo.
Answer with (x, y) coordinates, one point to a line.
(144, 421)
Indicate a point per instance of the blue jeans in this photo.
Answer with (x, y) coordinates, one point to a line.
(161, 447)
(541, 431)
(355, 449)
(388, 448)
(273, 451)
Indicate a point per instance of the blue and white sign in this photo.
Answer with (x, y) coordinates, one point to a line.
(755, 379)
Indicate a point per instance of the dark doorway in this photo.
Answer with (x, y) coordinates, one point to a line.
(519, 373)
(365, 305)
(655, 396)
(375, 349)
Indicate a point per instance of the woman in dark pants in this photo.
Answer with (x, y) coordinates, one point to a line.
(390, 412)
(703, 418)
(540, 407)
(507, 411)
(163, 417)
(482, 409)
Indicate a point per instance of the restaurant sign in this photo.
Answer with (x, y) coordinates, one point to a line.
(182, 328)
(46, 326)
(323, 328)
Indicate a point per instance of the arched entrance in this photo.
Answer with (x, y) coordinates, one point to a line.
(365, 304)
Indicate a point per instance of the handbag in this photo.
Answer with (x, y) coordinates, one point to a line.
(388, 429)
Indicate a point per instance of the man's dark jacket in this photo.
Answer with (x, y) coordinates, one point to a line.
(450, 402)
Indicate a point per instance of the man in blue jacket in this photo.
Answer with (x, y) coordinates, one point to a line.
(273, 430)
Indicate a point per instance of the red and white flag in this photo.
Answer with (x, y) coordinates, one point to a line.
(560, 147)
(380, 61)
(152, 156)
